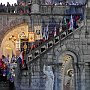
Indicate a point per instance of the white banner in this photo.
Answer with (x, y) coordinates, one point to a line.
(38, 32)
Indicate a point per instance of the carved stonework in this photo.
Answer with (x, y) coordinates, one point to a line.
(67, 73)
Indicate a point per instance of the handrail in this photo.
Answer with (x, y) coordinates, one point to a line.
(45, 46)
(78, 5)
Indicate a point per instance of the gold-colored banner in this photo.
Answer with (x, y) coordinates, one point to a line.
(31, 37)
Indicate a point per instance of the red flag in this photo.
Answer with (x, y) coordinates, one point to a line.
(22, 57)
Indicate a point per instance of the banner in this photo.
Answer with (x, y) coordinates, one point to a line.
(31, 37)
(38, 32)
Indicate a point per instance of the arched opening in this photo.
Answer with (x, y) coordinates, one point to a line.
(68, 76)
(69, 60)
(8, 44)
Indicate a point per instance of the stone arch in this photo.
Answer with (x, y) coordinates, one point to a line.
(71, 53)
(8, 45)
(75, 58)
(10, 26)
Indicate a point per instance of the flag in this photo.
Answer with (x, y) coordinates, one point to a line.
(46, 33)
(55, 32)
(71, 23)
(43, 29)
(33, 45)
(60, 24)
(64, 25)
(74, 23)
(43, 33)
(64, 22)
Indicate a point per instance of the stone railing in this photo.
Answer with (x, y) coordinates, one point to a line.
(47, 45)
(43, 9)
(17, 9)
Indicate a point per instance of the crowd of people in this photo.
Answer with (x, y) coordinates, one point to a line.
(61, 2)
(25, 7)
(6, 71)
(15, 8)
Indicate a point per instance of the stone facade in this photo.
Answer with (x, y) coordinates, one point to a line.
(76, 45)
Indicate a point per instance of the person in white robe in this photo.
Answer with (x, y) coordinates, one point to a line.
(49, 77)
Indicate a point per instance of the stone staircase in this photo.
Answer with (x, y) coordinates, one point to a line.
(27, 81)
(50, 44)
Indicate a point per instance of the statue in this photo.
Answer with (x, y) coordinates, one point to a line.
(49, 77)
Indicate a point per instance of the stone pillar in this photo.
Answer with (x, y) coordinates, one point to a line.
(87, 76)
(83, 80)
(88, 3)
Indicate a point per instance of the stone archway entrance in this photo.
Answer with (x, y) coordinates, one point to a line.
(8, 44)
(68, 73)
(69, 58)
